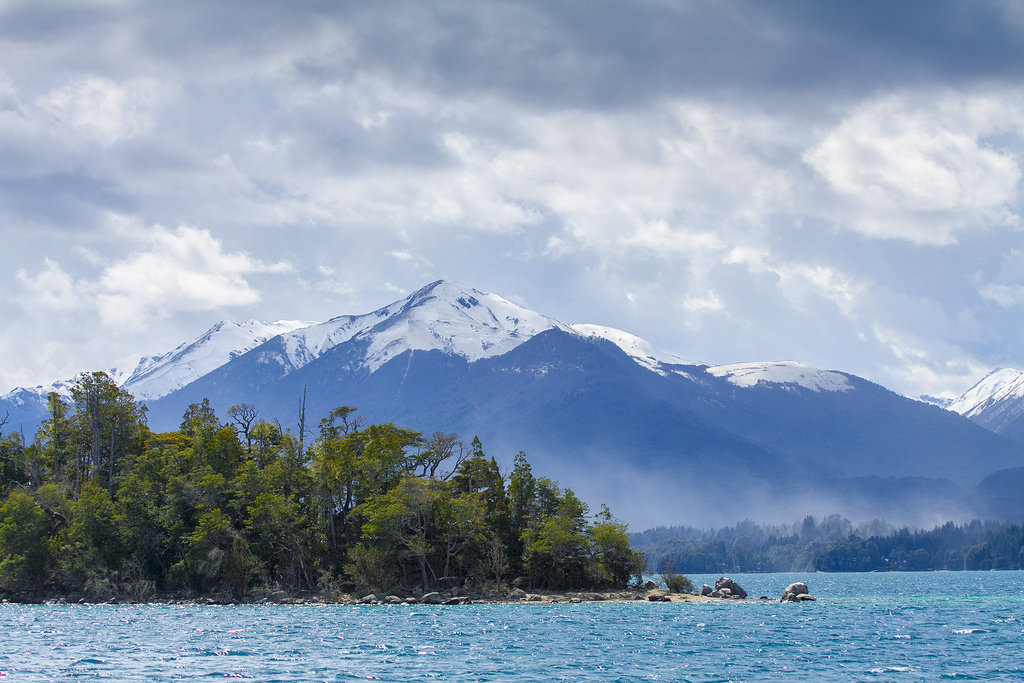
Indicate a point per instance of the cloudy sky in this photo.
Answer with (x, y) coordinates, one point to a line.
(835, 183)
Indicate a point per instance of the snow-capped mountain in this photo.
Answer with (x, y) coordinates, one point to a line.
(660, 437)
(442, 316)
(158, 376)
(155, 376)
(996, 402)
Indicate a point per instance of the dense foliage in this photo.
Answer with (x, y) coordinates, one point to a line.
(98, 504)
(834, 545)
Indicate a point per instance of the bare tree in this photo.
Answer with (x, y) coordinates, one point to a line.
(302, 422)
(244, 415)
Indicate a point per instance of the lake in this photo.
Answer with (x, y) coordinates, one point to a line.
(870, 627)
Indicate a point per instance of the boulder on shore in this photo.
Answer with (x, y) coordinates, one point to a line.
(734, 588)
(706, 590)
(432, 599)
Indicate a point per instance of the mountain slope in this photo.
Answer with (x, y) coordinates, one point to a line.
(996, 402)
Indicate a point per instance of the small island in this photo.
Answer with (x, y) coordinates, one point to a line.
(96, 508)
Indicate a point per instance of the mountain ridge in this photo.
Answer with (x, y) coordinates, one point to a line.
(603, 410)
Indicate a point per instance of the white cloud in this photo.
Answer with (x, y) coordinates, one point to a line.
(104, 111)
(185, 269)
(52, 288)
(921, 170)
(921, 370)
(1006, 296)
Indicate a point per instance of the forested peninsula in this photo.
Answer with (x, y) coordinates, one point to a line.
(98, 507)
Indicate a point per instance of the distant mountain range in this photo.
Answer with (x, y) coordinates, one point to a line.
(662, 439)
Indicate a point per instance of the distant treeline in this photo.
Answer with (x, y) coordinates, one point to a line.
(97, 504)
(833, 545)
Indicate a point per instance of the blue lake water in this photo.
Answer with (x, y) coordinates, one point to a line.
(868, 627)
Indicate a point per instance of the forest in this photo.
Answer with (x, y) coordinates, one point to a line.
(834, 544)
(97, 505)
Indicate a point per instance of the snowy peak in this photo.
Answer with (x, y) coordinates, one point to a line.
(461, 321)
(157, 376)
(782, 372)
(1001, 390)
(442, 316)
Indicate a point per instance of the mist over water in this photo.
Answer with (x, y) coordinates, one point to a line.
(716, 494)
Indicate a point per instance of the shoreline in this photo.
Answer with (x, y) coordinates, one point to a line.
(446, 598)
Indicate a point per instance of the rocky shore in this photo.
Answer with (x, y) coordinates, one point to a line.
(725, 589)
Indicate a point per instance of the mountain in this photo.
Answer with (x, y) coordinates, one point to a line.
(154, 376)
(660, 438)
(996, 402)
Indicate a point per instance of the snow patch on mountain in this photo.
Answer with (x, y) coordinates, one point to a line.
(442, 316)
(1002, 387)
(158, 376)
(633, 346)
(782, 372)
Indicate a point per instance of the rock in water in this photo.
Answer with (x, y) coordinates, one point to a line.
(734, 588)
(706, 590)
(799, 588)
(796, 592)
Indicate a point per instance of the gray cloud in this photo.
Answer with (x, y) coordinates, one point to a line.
(836, 183)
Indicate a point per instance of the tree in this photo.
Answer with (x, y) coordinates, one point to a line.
(199, 420)
(401, 519)
(24, 532)
(56, 436)
(244, 415)
(522, 507)
(13, 463)
(89, 548)
(614, 562)
(438, 449)
(557, 551)
(113, 421)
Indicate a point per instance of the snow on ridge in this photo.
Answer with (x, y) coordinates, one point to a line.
(633, 346)
(999, 385)
(304, 345)
(782, 372)
(441, 316)
(158, 376)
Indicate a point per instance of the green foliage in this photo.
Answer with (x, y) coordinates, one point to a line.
(24, 534)
(102, 506)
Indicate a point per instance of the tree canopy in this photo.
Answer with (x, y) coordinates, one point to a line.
(99, 505)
